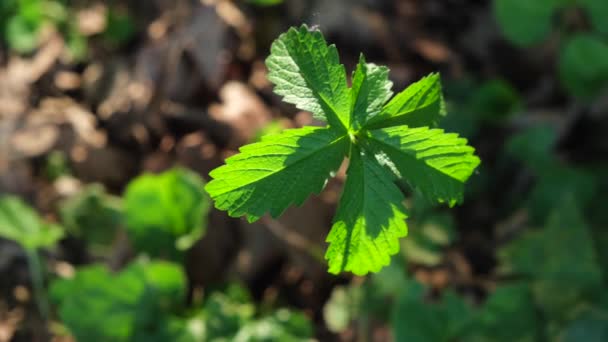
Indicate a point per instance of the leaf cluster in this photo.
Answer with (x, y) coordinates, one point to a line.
(385, 139)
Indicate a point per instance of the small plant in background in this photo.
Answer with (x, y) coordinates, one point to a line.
(583, 60)
(383, 140)
(166, 214)
(20, 223)
(23, 21)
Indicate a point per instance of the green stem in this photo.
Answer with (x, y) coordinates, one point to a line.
(37, 278)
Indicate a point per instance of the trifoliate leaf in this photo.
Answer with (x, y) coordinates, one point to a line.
(279, 171)
(420, 104)
(435, 163)
(583, 66)
(20, 223)
(308, 73)
(369, 221)
(371, 89)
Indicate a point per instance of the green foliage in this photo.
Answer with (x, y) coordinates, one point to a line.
(20, 223)
(415, 319)
(583, 66)
(120, 27)
(597, 10)
(525, 22)
(495, 101)
(560, 259)
(284, 169)
(555, 181)
(230, 316)
(136, 304)
(21, 22)
(94, 216)
(508, 314)
(166, 213)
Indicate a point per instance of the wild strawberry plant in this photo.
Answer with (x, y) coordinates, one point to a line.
(384, 140)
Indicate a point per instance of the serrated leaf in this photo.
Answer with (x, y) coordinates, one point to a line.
(420, 104)
(583, 66)
(525, 22)
(431, 161)
(281, 170)
(369, 221)
(20, 223)
(371, 89)
(308, 73)
(284, 169)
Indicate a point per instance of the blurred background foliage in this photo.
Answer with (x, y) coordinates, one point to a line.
(112, 114)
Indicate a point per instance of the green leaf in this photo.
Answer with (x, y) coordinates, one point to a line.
(420, 104)
(93, 215)
(21, 35)
(560, 259)
(371, 89)
(583, 66)
(433, 162)
(525, 22)
(135, 303)
(166, 212)
(308, 73)
(495, 101)
(369, 221)
(415, 320)
(279, 171)
(533, 147)
(283, 169)
(20, 223)
(507, 315)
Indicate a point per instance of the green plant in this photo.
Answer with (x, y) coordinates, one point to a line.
(383, 141)
(137, 304)
(583, 60)
(93, 216)
(166, 214)
(147, 302)
(20, 223)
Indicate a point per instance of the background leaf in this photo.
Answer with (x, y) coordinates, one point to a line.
(166, 213)
(20, 223)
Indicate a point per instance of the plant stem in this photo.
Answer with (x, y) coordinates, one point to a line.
(37, 279)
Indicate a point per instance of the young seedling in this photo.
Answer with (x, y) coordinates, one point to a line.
(383, 142)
